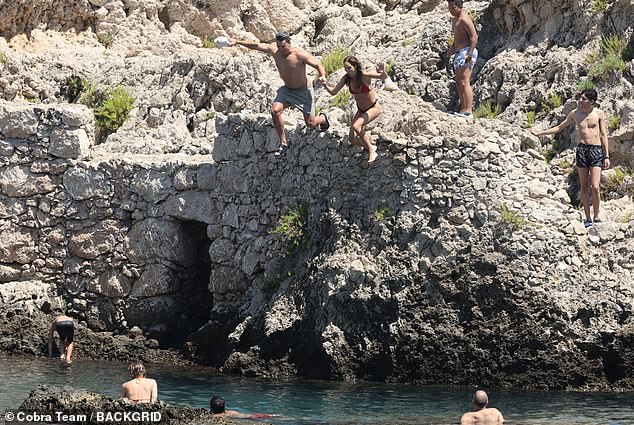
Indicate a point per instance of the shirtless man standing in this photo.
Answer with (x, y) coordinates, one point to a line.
(139, 389)
(291, 63)
(592, 152)
(482, 415)
(464, 46)
(65, 328)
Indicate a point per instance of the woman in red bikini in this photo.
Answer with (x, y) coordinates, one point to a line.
(359, 83)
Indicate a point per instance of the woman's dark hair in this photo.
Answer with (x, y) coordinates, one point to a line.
(358, 69)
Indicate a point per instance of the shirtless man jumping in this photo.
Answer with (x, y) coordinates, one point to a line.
(592, 152)
(482, 415)
(464, 46)
(291, 63)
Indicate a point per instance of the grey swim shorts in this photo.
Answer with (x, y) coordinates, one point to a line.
(302, 99)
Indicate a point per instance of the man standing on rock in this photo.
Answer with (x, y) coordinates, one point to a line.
(482, 415)
(291, 63)
(592, 151)
(65, 328)
(465, 39)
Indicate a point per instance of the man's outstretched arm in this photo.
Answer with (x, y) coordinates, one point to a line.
(254, 45)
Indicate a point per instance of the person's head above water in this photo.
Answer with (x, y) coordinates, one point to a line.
(217, 404)
(137, 370)
(480, 399)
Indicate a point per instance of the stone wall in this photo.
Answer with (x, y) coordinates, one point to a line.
(407, 272)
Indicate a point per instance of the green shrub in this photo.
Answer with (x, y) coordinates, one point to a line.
(380, 212)
(342, 99)
(599, 6)
(290, 227)
(530, 118)
(389, 67)
(208, 42)
(488, 110)
(210, 115)
(73, 88)
(271, 283)
(511, 218)
(584, 84)
(4, 58)
(627, 217)
(612, 45)
(114, 110)
(408, 42)
(555, 101)
(105, 39)
(611, 63)
(333, 60)
(615, 179)
(614, 122)
(91, 96)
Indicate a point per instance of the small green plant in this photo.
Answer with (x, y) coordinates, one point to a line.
(567, 166)
(614, 122)
(290, 227)
(599, 6)
(208, 42)
(271, 283)
(612, 45)
(210, 115)
(555, 100)
(584, 84)
(627, 217)
(615, 180)
(333, 60)
(91, 96)
(4, 58)
(31, 99)
(530, 118)
(473, 14)
(610, 64)
(341, 100)
(73, 88)
(488, 110)
(411, 91)
(511, 218)
(389, 67)
(408, 42)
(105, 39)
(379, 213)
(114, 110)
(549, 153)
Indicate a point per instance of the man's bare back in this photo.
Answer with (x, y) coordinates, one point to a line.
(486, 416)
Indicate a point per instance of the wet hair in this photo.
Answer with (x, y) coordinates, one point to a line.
(217, 404)
(358, 69)
(480, 399)
(458, 3)
(590, 94)
(137, 370)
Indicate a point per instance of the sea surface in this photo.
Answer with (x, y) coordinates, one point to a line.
(308, 402)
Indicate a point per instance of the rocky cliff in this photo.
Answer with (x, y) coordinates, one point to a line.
(457, 257)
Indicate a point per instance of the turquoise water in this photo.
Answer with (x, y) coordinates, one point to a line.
(315, 402)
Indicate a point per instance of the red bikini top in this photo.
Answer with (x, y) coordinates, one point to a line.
(362, 89)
